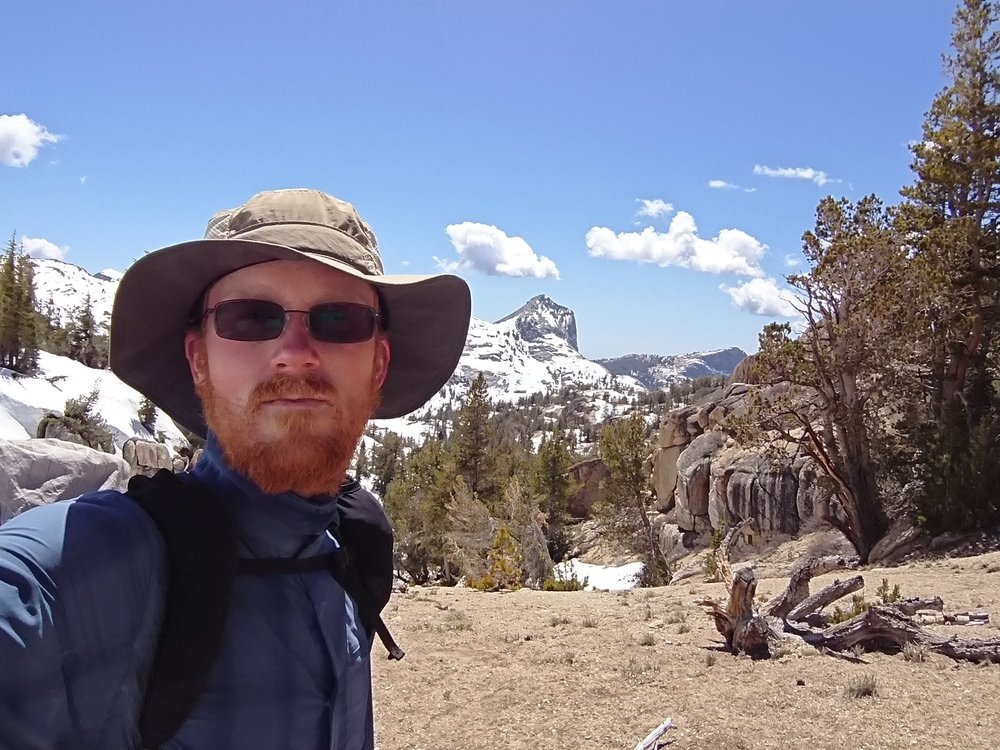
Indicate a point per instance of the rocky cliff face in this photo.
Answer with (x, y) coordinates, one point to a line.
(703, 478)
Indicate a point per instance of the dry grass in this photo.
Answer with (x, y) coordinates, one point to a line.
(514, 680)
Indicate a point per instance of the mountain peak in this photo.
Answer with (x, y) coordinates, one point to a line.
(540, 316)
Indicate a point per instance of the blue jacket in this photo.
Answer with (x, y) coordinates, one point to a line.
(82, 587)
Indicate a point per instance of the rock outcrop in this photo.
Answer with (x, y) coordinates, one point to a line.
(705, 478)
(148, 457)
(44, 470)
(589, 474)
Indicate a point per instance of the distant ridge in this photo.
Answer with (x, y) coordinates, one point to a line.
(661, 371)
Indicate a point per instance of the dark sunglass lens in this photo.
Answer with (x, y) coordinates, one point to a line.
(342, 322)
(249, 320)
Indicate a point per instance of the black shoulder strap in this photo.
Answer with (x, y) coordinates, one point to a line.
(202, 549)
(362, 565)
(365, 532)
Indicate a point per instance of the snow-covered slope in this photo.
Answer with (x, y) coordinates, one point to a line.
(24, 401)
(66, 286)
(659, 371)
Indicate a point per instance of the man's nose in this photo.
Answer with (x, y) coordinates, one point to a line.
(296, 346)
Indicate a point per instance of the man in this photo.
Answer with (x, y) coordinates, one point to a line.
(278, 337)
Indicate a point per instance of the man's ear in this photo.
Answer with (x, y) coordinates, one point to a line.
(194, 350)
(383, 353)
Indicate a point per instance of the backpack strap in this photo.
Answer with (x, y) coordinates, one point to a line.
(339, 565)
(201, 544)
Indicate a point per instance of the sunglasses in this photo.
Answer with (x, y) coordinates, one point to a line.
(260, 320)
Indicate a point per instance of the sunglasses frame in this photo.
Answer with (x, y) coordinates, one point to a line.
(377, 322)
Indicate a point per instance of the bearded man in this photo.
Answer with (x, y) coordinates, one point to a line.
(277, 337)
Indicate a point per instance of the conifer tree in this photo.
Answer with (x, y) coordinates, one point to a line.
(952, 214)
(417, 503)
(82, 344)
(147, 414)
(552, 482)
(10, 325)
(29, 318)
(388, 460)
(474, 438)
(624, 495)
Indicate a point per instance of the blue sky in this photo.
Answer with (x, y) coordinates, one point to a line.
(651, 165)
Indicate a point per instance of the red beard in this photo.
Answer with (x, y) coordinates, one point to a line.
(315, 447)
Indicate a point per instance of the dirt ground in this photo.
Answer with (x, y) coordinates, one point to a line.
(600, 670)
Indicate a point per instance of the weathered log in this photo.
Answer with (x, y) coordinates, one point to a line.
(723, 567)
(831, 593)
(886, 629)
(798, 587)
(912, 604)
(745, 630)
(652, 741)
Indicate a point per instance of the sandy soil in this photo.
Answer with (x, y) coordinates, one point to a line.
(585, 670)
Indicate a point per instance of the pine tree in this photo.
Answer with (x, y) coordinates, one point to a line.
(474, 437)
(10, 323)
(552, 482)
(147, 414)
(844, 366)
(623, 505)
(417, 503)
(952, 214)
(29, 317)
(388, 460)
(82, 342)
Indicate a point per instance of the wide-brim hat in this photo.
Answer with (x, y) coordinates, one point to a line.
(427, 317)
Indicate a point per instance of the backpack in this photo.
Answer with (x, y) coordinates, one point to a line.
(202, 564)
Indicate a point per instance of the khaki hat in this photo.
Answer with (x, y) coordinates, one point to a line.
(427, 316)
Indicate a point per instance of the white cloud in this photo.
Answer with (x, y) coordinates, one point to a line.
(489, 250)
(762, 296)
(37, 247)
(723, 185)
(792, 261)
(795, 173)
(20, 140)
(652, 208)
(732, 251)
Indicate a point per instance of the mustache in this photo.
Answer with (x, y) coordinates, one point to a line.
(289, 386)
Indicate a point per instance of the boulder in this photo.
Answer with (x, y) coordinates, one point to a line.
(146, 456)
(671, 539)
(43, 470)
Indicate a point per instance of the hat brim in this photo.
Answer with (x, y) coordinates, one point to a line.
(427, 329)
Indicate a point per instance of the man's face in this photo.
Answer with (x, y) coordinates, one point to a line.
(289, 411)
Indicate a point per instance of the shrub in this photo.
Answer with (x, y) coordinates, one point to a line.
(914, 652)
(862, 686)
(647, 639)
(858, 606)
(563, 581)
(504, 559)
(887, 595)
(80, 419)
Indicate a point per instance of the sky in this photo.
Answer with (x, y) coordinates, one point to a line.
(650, 165)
